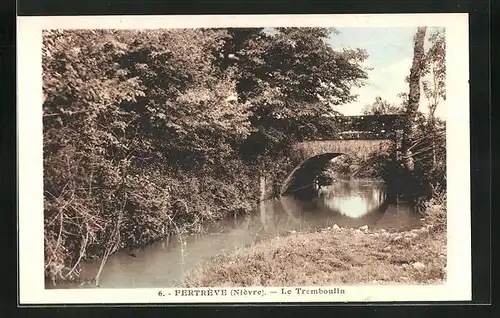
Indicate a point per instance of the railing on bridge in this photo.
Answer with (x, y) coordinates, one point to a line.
(369, 126)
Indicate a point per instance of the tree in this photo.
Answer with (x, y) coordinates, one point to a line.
(382, 107)
(434, 81)
(292, 71)
(424, 148)
(414, 93)
(187, 107)
(286, 73)
(434, 66)
(122, 110)
(87, 142)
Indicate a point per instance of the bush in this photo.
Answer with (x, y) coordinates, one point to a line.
(435, 209)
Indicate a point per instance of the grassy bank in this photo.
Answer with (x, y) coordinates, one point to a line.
(336, 256)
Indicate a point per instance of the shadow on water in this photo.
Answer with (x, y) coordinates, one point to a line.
(165, 263)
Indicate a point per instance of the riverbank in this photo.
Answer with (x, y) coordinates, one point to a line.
(153, 206)
(336, 255)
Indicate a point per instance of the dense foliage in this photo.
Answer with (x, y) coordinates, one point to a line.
(152, 132)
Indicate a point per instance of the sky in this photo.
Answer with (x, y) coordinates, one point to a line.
(390, 53)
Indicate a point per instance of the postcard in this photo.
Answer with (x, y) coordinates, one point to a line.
(243, 159)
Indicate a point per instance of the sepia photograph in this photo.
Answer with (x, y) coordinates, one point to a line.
(260, 159)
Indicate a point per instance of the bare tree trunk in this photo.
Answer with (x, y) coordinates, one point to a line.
(262, 203)
(414, 93)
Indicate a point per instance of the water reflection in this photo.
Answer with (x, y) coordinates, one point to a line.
(355, 198)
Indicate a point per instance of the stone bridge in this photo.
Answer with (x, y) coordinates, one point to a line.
(359, 136)
(355, 147)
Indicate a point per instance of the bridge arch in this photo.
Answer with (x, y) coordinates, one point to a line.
(353, 200)
(314, 155)
(359, 137)
(300, 181)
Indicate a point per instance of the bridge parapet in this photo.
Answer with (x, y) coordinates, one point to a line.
(356, 135)
(368, 126)
(355, 147)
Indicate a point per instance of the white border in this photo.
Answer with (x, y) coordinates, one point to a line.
(30, 172)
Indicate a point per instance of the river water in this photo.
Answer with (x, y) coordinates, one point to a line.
(166, 263)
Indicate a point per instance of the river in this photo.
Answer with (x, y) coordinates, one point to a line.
(166, 263)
